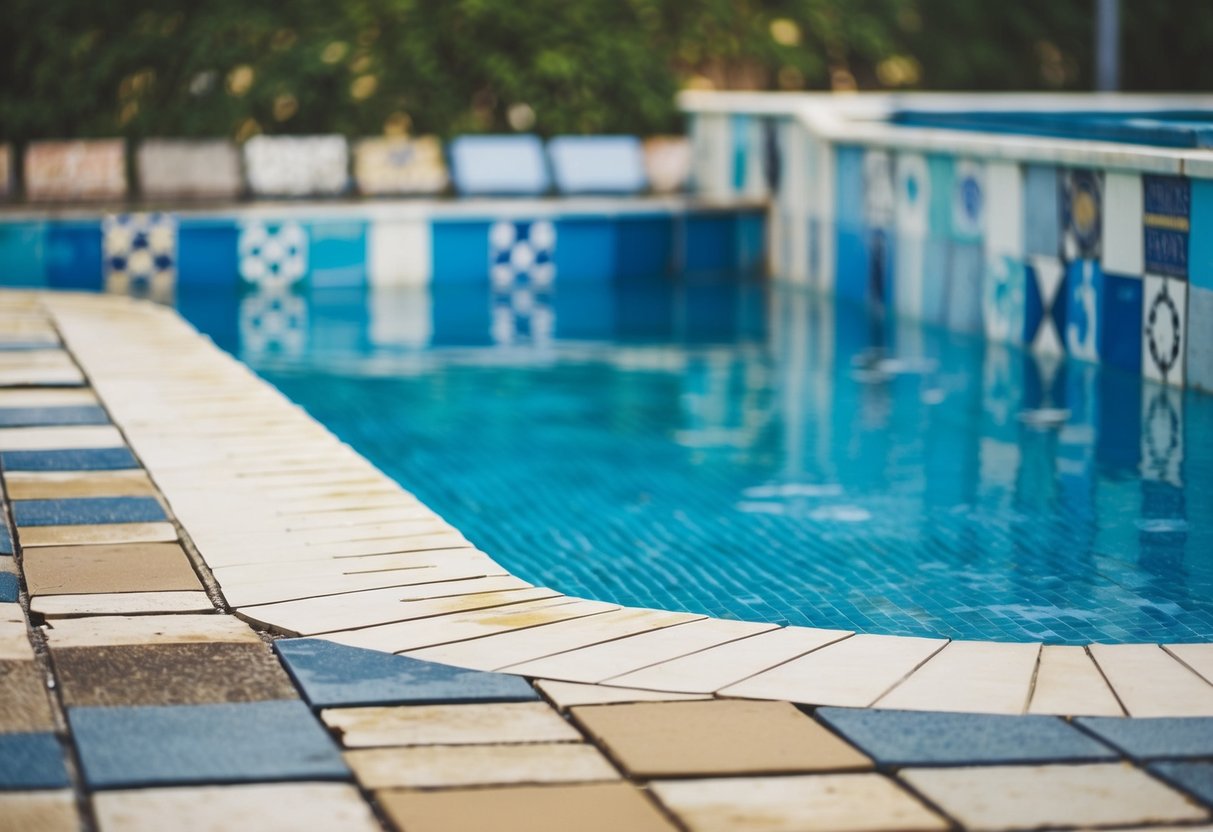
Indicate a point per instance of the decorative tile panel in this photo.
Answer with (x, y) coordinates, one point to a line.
(297, 165)
(140, 255)
(1044, 307)
(188, 169)
(400, 166)
(1166, 224)
(71, 170)
(1082, 214)
(1164, 315)
(1084, 295)
(968, 200)
(273, 255)
(522, 273)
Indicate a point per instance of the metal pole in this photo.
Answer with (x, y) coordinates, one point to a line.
(1107, 45)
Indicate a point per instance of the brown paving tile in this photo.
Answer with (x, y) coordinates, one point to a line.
(53, 811)
(126, 567)
(170, 674)
(32, 536)
(451, 766)
(54, 485)
(23, 698)
(597, 807)
(671, 739)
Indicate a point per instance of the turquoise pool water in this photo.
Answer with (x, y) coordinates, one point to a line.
(761, 454)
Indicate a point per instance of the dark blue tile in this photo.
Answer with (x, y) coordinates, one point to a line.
(87, 511)
(10, 588)
(1166, 223)
(31, 761)
(6, 538)
(460, 251)
(73, 255)
(194, 744)
(207, 253)
(1166, 738)
(332, 675)
(91, 459)
(1194, 778)
(709, 243)
(644, 246)
(18, 417)
(920, 738)
(1120, 322)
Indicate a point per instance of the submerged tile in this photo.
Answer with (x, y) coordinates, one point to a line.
(101, 535)
(19, 417)
(511, 722)
(133, 567)
(1160, 738)
(121, 603)
(1195, 778)
(23, 697)
(429, 767)
(44, 811)
(81, 459)
(87, 511)
(107, 631)
(31, 761)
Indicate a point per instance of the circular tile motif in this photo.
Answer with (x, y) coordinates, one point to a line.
(1162, 331)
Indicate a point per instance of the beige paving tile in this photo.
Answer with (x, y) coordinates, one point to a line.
(101, 631)
(50, 811)
(21, 376)
(1151, 682)
(513, 722)
(305, 566)
(718, 667)
(264, 807)
(14, 636)
(1199, 657)
(429, 767)
(105, 533)
(130, 567)
(591, 807)
(567, 695)
(852, 673)
(54, 485)
(59, 438)
(971, 677)
(1069, 684)
(493, 652)
(1032, 797)
(718, 737)
(816, 803)
(613, 658)
(23, 697)
(47, 398)
(121, 603)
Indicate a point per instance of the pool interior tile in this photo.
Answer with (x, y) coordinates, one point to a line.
(1160, 738)
(132, 567)
(335, 675)
(24, 705)
(565, 695)
(672, 739)
(477, 724)
(121, 603)
(43, 485)
(43, 811)
(18, 417)
(1194, 777)
(31, 760)
(430, 767)
(88, 511)
(81, 459)
(108, 631)
(184, 744)
(899, 738)
(107, 533)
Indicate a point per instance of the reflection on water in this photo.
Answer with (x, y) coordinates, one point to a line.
(764, 454)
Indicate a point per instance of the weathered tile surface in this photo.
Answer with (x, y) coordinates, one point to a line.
(112, 631)
(425, 767)
(121, 603)
(59, 438)
(1069, 684)
(31, 761)
(81, 459)
(567, 695)
(100, 535)
(88, 511)
(14, 635)
(512, 722)
(23, 697)
(134, 567)
(1155, 739)
(45, 485)
(43, 811)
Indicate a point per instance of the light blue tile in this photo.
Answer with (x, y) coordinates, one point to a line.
(966, 269)
(1200, 239)
(23, 253)
(499, 165)
(1199, 330)
(585, 250)
(460, 251)
(87, 511)
(31, 761)
(1042, 210)
(597, 164)
(337, 254)
(848, 186)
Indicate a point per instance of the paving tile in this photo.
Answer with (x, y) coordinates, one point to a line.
(113, 631)
(513, 722)
(10, 582)
(1151, 682)
(16, 376)
(671, 739)
(133, 567)
(31, 761)
(60, 438)
(335, 675)
(717, 667)
(1069, 684)
(14, 635)
(854, 672)
(972, 676)
(20, 417)
(121, 603)
(178, 745)
(40, 811)
(565, 695)
(87, 511)
(817, 803)
(1158, 738)
(900, 738)
(1199, 657)
(264, 807)
(1031, 797)
(107, 533)
(23, 697)
(80, 459)
(54, 397)
(592, 807)
(430, 767)
(45, 485)
(169, 674)
(1195, 778)
(6, 538)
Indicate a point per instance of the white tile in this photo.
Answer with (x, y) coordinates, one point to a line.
(121, 603)
(14, 636)
(60, 438)
(105, 631)
(47, 398)
(1004, 209)
(567, 695)
(399, 252)
(1164, 311)
(1123, 231)
(969, 676)
(1199, 657)
(429, 767)
(1150, 682)
(513, 722)
(1069, 684)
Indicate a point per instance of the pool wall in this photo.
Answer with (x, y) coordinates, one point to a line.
(1098, 250)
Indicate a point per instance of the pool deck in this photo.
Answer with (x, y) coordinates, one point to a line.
(207, 597)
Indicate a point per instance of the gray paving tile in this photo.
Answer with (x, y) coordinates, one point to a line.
(31, 761)
(22, 417)
(1196, 778)
(228, 743)
(87, 511)
(923, 738)
(335, 675)
(1158, 738)
(89, 459)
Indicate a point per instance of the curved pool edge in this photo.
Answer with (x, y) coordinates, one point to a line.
(222, 468)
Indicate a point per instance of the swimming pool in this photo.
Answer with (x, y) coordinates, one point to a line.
(764, 454)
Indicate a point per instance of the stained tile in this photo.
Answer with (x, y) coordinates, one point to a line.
(59, 438)
(121, 603)
(82, 459)
(1008, 797)
(595, 807)
(227, 743)
(514, 722)
(333, 675)
(44, 811)
(31, 761)
(975, 676)
(900, 738)
(565, 695)
(1195, 778)
(1159, 738)
(429, 767)
(113, 631)
(87, 511)
(55, 485)
(20, 417)
(265, 807)
(670, 739)
(1069, 684)
(23, 697)
(134, 567)
(1150, 682)
(817, 803)
(99, 535)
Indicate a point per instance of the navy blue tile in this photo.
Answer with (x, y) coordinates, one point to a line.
(10, 588)
(207, 253)
(87, 511)
(1166, 224)
(19, 417)
(90, 459)
(920, 738)
(31, 761)
(1194, 778)
(193, 744)
(73, 255)
(1165, 738)
(333, 675)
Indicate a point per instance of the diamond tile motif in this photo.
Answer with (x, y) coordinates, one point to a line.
(132, 567)
(670, 739)
(1082, 214)
(273, 256)
(512, 722)
(1164, 738)
(428, 767)
(522, 272)
(31, 761)
(140, 255)
(20, 417)
(87, 511)
(1166, 224)
(335, 675)
(1084, 298)
(84, 459)
(227, 743)
(1044, 306)
(1164, 318)
(901, 738)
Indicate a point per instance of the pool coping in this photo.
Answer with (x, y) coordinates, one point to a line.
(159, 379)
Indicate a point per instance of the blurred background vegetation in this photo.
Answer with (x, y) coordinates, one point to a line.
(364, 67)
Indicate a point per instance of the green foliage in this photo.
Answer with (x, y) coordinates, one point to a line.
(360, 67)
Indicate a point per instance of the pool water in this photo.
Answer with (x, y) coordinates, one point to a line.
(759, 453)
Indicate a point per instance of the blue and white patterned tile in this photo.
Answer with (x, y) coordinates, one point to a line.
(1082, 214)
(273, 322)
(1084, 297)
(968, 200)
(1121, 240)
(1042, 211)
(1120, 322)
(1200, 338)
(273, 256)
(1164, 317)
(1044, 306)
(140, 255)
(1162, 434)
(1166, 224)
(879, 202)
(522, 272)
(1003, 298)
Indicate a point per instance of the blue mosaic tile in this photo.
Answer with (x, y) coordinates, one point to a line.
(1120, 322)
(1165, 738)
(31, 761)
(334, 675)
(18, 417)
(87, 511)
(194, 744)
(1167, 203)
(10, 588)
(91, 459)
(921, 738)
(1194, 778)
